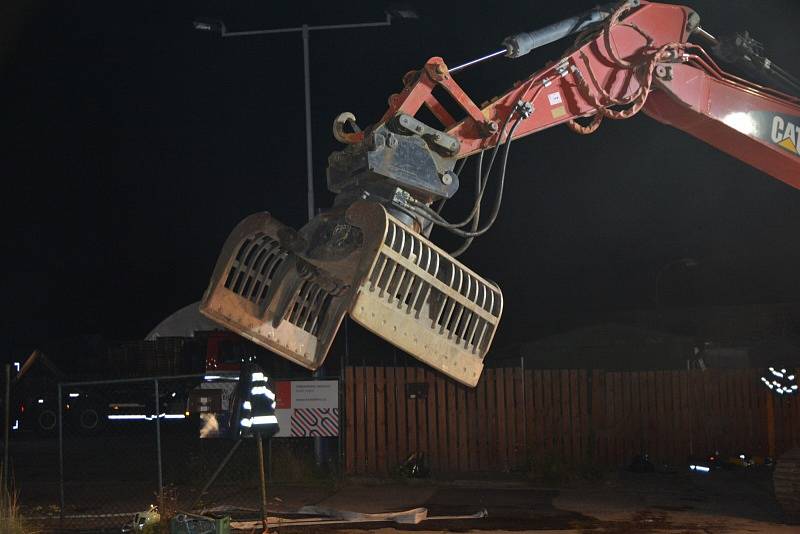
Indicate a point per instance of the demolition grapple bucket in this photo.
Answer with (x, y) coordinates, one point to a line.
(288, 290)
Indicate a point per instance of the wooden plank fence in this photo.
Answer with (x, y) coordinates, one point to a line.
(514, 416)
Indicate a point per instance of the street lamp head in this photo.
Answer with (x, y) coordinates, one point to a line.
(209, 25)
(401, 12)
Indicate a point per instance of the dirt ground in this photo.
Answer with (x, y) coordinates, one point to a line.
(721, 502)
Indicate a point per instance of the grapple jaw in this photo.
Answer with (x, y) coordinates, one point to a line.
(288, 291)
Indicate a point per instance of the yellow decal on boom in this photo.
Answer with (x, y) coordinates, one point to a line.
(785, 134)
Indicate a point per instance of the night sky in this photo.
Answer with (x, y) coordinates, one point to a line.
(134, 144)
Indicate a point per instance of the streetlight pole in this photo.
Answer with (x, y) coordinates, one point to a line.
(309, 151)
(218, 27)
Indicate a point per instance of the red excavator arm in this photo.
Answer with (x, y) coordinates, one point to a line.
(369, 255)
(640, 62)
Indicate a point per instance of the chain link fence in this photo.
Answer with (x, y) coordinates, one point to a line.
(114, 446)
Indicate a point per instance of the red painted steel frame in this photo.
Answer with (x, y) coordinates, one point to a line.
(694, 95)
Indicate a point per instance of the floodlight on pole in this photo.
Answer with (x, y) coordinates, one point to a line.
(209, 25)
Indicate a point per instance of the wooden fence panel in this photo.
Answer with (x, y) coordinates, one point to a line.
(597, 421)
(539, 412)
(530, 415)
(511, 418)
(514, 415)
(472, 428)
(452, 426)
(685, 414)
(740, 397)
(574, 416)
(726, 431)
(502, 428)
(350, 418)
(548, 435)
(361, 435)
(584, 445)
(391, 418)
(627, 412)
(611, 427)
(411, 412)
(403, 447)
(637, 444)
(677, 443)
(483, 424)
(434, 451)
(380, 421)
(563, 414)
(620, 424)
(371, 451)
(442, 422)
(519, 406)
(421, 405)
(463, 441)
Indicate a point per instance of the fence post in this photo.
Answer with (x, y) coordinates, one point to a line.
(7, 420)
(158, 436)
(771, 449)
(524, 409)
(690, 406)
(343, 415)
(61, 499)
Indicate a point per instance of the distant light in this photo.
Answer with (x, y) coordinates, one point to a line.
(74, 395)
(40, 401)
(143, 417)
(173, 394)
(115, 417)
(781, 382)
(741, 456)
(16, 366)
(16, 425)
(700, 468)
(221, 377)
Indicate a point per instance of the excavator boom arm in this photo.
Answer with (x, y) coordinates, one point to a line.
(642, 62)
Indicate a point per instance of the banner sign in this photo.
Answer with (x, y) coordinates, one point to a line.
(307, 408)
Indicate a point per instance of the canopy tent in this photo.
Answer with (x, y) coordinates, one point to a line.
(183, 323)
